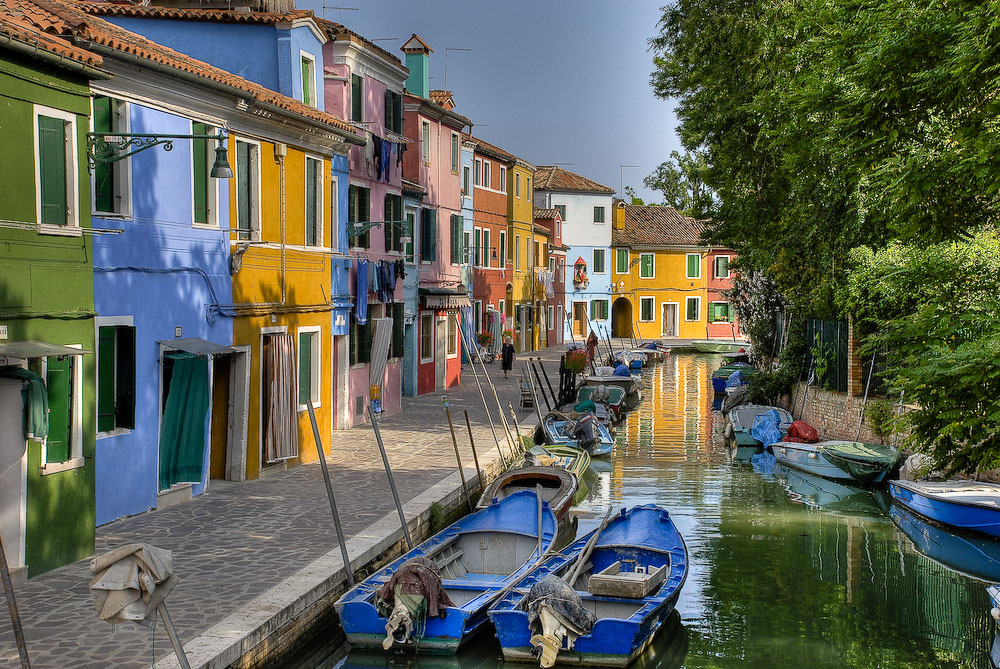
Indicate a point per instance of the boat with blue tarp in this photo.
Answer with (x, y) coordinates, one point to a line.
(469, 563)
(752, 427)
(967, 505)
(621, 595)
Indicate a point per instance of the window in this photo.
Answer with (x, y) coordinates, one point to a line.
(426, 337)
(722, 267)
(487, 182)
(314, 202)
(517, 251)
(598, 267)
(357, 98)
(527, 252)
(247, 190)
(552, 317)
(621, 261)
(479, 172)
(111, 179)
(466, 178)
(454, 153)
(398, 323)
(598, 214)
(502, 249)
(359, 208)
(718, 312)
(115, 377)
(457, 224)
(361, 339)
(599, 310)
(425, 142)
(517, 184)
(393, 223)
(411, 222)
(646, 266)
(487, 251)
(477, 253)
(203, 192)
(561, 208)
(529, 188)
(309, 367)
(394, 112)
(428, 235)
(452, 335)
(503, 178)
(692, 308)
(552, 263)
(308, 65)
(502, 306)
(694, 265)
(55, 168)
(334, 214)
(63, 384)
(467, 249)
(646, 305)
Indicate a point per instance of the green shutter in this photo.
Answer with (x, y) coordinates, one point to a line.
(243, 195)
(388, 110)
(312, 229)
(397, 330)
(693, 307)
(366, 340)
(305, 367)
(104, 173)
(354, 342)
(693, 266)
(199, 158)
(306, 83)
(457, 225)
(59, 382)
(52, 170)
(105, 379)
(365, 212)
(646, 271)
(428, 234)
(356, 98)
(397, 113)
(722, 267)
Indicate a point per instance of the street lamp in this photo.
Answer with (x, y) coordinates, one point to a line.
(110, 147)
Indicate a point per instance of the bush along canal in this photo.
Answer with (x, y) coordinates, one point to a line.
(786, 569)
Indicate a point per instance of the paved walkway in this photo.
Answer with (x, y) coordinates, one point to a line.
(240, 539)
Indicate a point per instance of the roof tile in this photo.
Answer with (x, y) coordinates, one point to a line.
(26, 23)
(555, 178)
(652, 225)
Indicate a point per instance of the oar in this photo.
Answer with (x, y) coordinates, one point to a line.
(588, 549)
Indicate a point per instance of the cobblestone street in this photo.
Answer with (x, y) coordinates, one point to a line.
(240, 539)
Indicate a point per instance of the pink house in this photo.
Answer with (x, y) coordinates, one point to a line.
(433, 160)
(722, 322)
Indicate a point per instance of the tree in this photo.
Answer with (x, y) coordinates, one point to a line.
(632, 198)
(682, 182)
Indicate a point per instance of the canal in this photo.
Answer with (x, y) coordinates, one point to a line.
(787, 570)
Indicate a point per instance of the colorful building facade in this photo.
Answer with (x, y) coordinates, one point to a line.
(555, 295)
(522, 303)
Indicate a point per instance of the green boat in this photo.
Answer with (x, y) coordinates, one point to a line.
(574, 460)
(719, 345)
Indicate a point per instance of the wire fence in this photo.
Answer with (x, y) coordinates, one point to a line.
(827, 353)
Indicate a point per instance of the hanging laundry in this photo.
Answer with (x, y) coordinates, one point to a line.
(361, 299)
(400, 269)
(369, 156)
(377, 143)
(374, 278)
(385, 150)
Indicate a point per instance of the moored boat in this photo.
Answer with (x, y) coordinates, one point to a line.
(476, 558)
(606, 376)
(839, 460)
(586, 433)
(629, 586)
(574, 460)
(972, 554)
(719, 345)
(558, 486)
(612, 396)
(967, 505)
(739, 428)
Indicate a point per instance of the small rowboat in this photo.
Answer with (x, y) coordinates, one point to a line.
(574, 460)
(558, 487)
(630, 583)
(839, 460)
(740, 425)
(477, 556)
(612, 396)
(605, 377)
(719, 346)
(967, 505)
(587, 433)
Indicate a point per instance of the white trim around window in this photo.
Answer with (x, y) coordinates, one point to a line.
(72, 226)
(104, 322)
(621, 254)
(315, 368)
(551, 317)
(687, 262)
(304, 57)
(318, 209)
(76, 459)
(212, 185)
(253, 171)
(452, 332)
(715, 267)
(687, 309)
(652, 265)
(604, 262)
(649, 299)
(503, 179)
(424, 320)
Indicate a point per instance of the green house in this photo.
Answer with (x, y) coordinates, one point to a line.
(46, 302)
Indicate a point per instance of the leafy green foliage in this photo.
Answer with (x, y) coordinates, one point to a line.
(880, 419)
(682, 182)
(766, 387)
(755, 300)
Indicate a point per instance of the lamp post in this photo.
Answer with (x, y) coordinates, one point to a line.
(110, 147)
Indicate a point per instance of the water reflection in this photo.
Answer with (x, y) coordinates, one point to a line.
(974, 555)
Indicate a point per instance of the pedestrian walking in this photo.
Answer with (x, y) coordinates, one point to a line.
(507, 356)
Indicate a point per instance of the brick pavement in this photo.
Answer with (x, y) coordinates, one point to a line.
(240, 539)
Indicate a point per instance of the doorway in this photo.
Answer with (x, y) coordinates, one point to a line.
(184, 407)
(621, 318)
(13, 472)
(230, 410)
(580, 322)
(669, 319)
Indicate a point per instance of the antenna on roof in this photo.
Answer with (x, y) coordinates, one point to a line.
(446, 50)
(343, 9)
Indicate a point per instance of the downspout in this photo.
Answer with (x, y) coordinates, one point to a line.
(279, 155)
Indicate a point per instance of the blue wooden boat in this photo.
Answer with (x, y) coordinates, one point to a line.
(839, 460)
(642, 537)
(558, 429)
(478, 556)
(972, 554)
(967, 505)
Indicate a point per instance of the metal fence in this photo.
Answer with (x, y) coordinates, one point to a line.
(827, 353)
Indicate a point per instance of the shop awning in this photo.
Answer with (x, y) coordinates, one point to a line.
(36, 349)
(446, 301)
(197, 346)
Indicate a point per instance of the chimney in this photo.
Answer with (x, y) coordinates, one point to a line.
(417, 51)
(619, 215)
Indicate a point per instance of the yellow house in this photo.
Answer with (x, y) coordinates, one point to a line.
(522, 305)
(660, 274)
(285, 201)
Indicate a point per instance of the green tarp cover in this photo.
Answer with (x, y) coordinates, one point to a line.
(182, 430)
(860, 460)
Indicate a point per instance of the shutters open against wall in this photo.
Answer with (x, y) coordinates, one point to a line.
(457, 225)
(693, 265)
(428, 234)
(398, 341)
(356, 98)
(199, 170)
(104, 173)
(52, 170)
(59, 383)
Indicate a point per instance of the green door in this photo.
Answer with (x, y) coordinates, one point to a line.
(59, 381)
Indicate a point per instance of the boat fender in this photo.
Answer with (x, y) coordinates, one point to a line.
(995, 612)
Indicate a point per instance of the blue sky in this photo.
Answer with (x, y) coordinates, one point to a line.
(549, 80)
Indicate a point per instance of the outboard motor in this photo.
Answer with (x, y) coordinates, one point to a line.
(556, 614)
(585, 432)
(413, 592)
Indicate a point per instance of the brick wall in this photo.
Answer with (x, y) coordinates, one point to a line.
(834, 415)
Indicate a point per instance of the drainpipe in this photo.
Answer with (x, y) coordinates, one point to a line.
(280, 150)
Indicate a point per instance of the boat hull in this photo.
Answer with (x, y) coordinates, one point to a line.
(809, 459)
(970, 553)
(963, 516)
(558, 487)
(718, 346)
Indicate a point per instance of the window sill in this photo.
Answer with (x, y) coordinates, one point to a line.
(111, 215)
(206, 226)
(117, 432)
(304, 408)
(56, 467)
(59, 230)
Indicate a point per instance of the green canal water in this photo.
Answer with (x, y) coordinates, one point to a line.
(787, 570)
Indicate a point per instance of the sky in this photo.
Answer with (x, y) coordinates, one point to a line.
(551, 81)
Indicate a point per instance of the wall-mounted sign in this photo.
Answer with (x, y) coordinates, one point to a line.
(3, 331)
(177, 331)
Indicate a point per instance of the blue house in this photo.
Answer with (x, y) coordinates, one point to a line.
(471, 315)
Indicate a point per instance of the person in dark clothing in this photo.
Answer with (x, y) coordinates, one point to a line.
(507, 356)
(591, 345)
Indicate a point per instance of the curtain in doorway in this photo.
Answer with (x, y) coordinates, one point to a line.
(281, 440)
(182, 430)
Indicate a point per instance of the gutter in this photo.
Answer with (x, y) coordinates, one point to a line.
(246, 96)
(53, 58)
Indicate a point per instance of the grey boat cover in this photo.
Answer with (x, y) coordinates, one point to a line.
(562, 600)
(736, 398)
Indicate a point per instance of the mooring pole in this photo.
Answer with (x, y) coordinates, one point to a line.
(534, 396)
(329, 495)
(555, 400)
(864, 404)
(513, 415)
(392, 481)
(15, 617)
(541, 388)
(458, 456)
(475, 456)
(175, 640)
(482, 396)
(503, 420)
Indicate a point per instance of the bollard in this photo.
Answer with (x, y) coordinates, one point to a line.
(475, 456)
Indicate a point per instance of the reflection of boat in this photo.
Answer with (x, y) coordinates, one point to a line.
(587, 433)
(467, 658)
(601, 466)
(966, 552)
(839, 460)
(719, 345)
(968, 505)
(669, 648)
(478, 556)
(817, 491)
(558, 487)
(740, 423)
(642, 537)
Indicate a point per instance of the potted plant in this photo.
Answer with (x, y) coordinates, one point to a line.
(576, 361)
(484, 338)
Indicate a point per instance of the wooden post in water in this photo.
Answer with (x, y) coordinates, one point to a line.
(534, 396)
(513, 415)
(475, 456)
(15, 616)
(458, 457)
(392, 481)
(329, 495)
